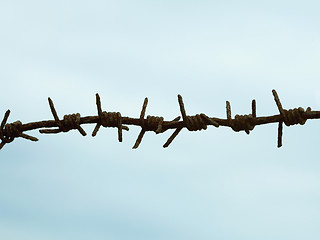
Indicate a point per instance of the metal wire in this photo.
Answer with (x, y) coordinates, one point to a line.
(198, 122)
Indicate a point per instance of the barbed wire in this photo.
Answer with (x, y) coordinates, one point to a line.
(247, 122)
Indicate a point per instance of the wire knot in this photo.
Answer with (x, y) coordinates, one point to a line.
(192, 123)
(196, 123)
(153, 123)
(295, 116)
(13, 130)
(10, 131)
(289, 117)
(108, 119)
(242, 122)
(69, 122)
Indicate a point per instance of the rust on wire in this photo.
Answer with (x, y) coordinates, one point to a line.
(242, 122)
(289, 117)
(152, 123)
(192, 123)
(10, 131)
(246, 123)
(69, 122)
(108, 119)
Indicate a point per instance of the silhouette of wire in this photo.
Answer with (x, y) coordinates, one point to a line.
(10, 131)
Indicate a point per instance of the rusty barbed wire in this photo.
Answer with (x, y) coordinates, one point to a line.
(198, 122)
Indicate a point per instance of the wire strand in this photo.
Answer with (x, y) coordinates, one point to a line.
(156, 124)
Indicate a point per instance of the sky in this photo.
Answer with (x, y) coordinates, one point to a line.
(213, 184)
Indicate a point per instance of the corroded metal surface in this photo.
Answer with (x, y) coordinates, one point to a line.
(10, 131)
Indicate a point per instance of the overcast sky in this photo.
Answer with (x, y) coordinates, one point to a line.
(213, 184)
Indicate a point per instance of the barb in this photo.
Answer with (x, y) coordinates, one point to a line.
(192, 123)
(242, 122)
(152, 123)
(290, 117)
(10, 131)
(198, 122)
(69, 122)
(108, 119)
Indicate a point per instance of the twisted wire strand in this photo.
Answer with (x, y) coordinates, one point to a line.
(198, 122)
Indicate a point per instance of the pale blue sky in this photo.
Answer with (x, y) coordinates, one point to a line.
(214, 184)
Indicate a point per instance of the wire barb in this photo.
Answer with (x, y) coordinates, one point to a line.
(152, 123)
(157, 124)
(289, 117)
(242, 122)
(108, 119)
(69, 122)
(192, 123)
(10, 131)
